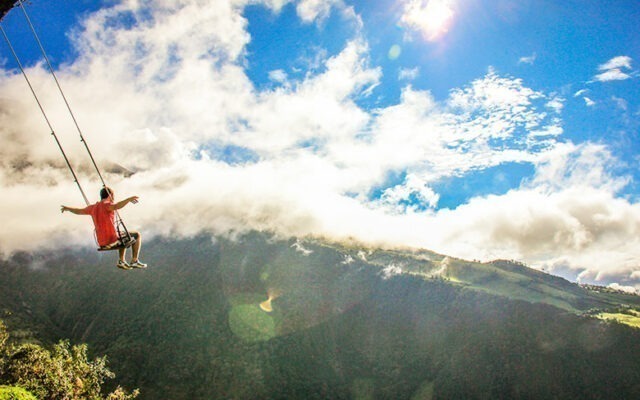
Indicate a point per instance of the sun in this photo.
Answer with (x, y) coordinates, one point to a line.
(432, 18)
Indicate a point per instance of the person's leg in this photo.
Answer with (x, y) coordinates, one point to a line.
(122, 264)
(135, 249)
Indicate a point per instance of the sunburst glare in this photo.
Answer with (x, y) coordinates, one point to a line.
(432, 18)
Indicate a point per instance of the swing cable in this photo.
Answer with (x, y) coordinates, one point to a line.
(66, 102)
(124, 237)
(44, 114)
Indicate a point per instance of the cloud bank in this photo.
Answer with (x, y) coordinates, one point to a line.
(161, 90)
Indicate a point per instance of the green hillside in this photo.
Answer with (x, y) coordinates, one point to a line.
(344, 321)
(508, 279)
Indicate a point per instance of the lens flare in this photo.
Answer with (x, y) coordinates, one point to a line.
(272, 294)
(394, 52)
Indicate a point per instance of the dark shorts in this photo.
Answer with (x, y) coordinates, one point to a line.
(118, 244)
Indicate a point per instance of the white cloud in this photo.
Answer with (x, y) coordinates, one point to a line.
(612, 69)
(612, 75)
(275, 5)
(408, 74)
(628, 289)
(390, 271)
(556, 103)
(301, 249)
(409, 196)
(278, 76)
(161, 97)
(621, 103)
(309, 10)
(319, 10)
(494, 93)
(568, 215)
(616, 63)
(527, 59)
(580, 92)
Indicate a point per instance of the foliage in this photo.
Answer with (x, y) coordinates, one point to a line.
(64, 373)
(15, 393)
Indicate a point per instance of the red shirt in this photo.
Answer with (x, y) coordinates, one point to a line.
(104, 220)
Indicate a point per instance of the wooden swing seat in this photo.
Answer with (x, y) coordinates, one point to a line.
(118, 244)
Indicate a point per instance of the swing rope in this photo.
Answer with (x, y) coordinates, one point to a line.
(66, 102)
(125, 237)
(44, 114)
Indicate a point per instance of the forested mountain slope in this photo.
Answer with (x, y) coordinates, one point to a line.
(346, 322)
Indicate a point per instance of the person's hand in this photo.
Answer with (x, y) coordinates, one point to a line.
(63, 209)
(134, 199)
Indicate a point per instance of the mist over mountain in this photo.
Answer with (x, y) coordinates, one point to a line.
(343, 322)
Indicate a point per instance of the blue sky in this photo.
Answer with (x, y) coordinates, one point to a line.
(480, 129)
(556, 47)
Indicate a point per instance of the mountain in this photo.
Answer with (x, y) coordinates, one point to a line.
(260, 317)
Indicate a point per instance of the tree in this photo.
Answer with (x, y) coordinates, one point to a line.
(3, 340)
(64, 373)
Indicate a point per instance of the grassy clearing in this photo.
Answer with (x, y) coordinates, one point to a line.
(631, 319)
(512, 284)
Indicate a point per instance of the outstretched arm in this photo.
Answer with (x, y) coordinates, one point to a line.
(77, 211)
(122, 203)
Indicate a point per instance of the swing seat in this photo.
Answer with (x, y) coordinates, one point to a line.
(118, 244)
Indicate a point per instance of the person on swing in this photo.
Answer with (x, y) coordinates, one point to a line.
(103, 215)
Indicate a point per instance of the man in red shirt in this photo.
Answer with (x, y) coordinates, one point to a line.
(103, 215)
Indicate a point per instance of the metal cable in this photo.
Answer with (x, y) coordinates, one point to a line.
(73, 117)
(44, 114)
(66, 102)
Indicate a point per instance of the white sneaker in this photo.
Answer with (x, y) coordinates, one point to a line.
(138, 264)
(123, 265)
